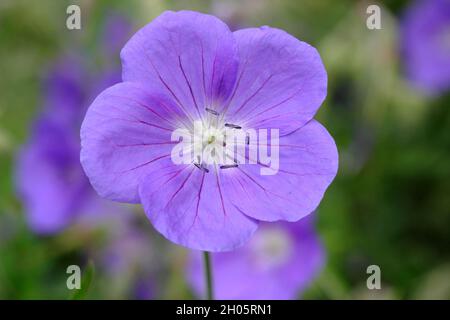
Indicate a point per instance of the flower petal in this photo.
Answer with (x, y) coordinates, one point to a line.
(238, 275)
(125, 130)
(308, 162)
(281, 81)
(190, 55)
(424, 39)
(49, 178)
(190, 207)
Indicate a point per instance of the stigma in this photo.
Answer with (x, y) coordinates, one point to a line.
(214, 142)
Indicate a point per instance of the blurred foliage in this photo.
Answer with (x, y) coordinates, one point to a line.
(86, 282)
(389, 204)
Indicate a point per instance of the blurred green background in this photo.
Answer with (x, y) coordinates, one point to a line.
(389, 204)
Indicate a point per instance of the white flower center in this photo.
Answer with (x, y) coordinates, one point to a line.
(211, 142)
(271, 247)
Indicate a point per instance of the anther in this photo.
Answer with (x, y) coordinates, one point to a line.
(230, 125)
(214, 112)
(201, 167)
(228, 166)
(247, 139)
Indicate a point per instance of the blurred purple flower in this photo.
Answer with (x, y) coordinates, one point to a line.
(116, 29)
(125, 252)
(64, 92)
(173, 69)
(128, 259)
(144, 290)
(49, 177)
(279, 262)
(426, 44)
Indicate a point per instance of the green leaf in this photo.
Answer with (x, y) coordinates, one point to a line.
(86, 281)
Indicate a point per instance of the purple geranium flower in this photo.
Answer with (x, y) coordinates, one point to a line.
(116, 30)
(186, 67)
(426, 44)
(144, 290)
(279, 262)
(49, 177)
(50, 180)
(127, 262)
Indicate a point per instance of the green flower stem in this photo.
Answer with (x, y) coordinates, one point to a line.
(208, 276)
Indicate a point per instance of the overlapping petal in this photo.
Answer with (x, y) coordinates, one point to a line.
(308, 162)
(190, 207)
(191, 56)
(126, 130)
(281, 81)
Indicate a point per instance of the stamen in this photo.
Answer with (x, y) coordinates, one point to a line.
(201, 167)
(214, 112)
(228, 166)
(247, 139)
(234, 126)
